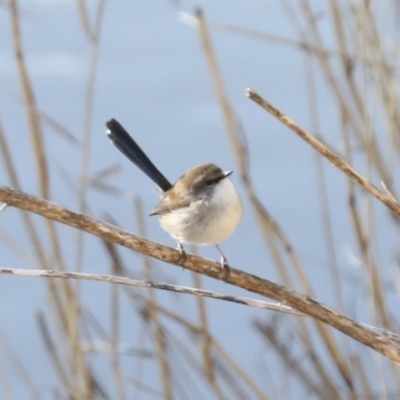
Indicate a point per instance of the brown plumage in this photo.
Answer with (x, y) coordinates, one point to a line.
(195, 183)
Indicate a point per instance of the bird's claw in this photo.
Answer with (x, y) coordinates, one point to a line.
(226, 271)
(182, 255)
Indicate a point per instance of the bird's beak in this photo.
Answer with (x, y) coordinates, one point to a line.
(227, 173)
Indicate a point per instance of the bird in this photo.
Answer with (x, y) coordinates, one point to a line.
(202, 207)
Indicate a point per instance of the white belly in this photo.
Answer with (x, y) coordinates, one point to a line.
(206, 222)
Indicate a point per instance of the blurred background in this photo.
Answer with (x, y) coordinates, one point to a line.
(176, 79)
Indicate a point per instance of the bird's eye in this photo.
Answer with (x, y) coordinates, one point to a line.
(210, 183)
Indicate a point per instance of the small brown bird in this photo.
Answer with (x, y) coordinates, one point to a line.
(201, 208)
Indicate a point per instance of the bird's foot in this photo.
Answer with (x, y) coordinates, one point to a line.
(225, 270)
(182, 254)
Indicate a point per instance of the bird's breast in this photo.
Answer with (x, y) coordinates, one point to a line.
(208, 220)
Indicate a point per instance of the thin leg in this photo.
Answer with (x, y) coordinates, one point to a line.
(182, 253)
(224, 263)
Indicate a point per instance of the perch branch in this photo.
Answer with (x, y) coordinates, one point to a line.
(386, 343)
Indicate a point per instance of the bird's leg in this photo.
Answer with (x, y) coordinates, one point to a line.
(224, 263)
(182, 253)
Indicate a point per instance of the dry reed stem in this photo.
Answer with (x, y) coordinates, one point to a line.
(273, 234)
(153, 315)
(387, 344)
(81, 384)
(53, 350)
(276, 239)
(338, 355)
(193, 329)
(114, 342)
(330, 155)
(94, 35)
(18, 366)
(47, 273)
(322, 386)
(209, 367)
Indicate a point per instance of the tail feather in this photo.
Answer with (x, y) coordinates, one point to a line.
(127, 146)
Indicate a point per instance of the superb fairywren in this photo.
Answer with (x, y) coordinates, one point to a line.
(201, 208)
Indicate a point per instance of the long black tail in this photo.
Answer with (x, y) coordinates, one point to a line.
(127, 146)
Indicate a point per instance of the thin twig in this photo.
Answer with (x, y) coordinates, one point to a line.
(45, 273)
(330, 155)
